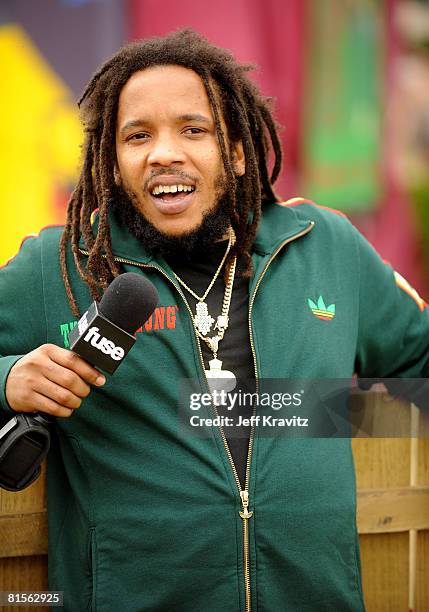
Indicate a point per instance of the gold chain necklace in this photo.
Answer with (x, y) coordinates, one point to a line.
(202, 320)
(223, 318)
(217, 378)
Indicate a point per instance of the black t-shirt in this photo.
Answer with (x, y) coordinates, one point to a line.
(234, 349)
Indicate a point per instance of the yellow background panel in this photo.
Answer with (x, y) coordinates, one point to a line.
(40, 136)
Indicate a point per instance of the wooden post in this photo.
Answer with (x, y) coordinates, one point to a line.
(414, 462)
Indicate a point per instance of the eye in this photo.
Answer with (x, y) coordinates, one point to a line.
(138, 136)
(193, 131)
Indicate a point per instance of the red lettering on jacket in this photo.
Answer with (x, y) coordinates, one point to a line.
(163, 317)
(159, 317)
(170, 314)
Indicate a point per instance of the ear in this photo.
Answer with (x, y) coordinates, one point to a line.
(238, 159)
(116, 175)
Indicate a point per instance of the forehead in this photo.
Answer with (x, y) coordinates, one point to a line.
(163, 90)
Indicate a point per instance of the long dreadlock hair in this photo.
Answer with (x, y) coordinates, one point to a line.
(247, 115)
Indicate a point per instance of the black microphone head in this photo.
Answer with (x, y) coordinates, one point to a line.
(129, 301)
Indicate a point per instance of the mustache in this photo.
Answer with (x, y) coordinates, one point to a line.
(181, 174)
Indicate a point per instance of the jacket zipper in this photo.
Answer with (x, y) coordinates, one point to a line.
(245, 514)
(244, 495)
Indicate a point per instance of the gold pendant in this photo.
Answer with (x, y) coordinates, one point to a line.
(203, 321)
(219, 380)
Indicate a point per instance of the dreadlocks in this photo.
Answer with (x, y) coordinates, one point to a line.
(231, 95)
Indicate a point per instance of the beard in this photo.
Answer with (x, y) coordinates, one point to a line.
(201, 239)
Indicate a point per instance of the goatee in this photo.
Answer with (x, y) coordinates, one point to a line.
(213, 228)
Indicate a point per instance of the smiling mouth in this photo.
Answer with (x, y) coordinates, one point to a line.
(172, 199)
(172, 193)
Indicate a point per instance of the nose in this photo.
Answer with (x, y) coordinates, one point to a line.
(165, 150)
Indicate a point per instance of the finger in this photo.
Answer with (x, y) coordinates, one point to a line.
(67, 379)
(73, 362)
(57, 393)
(49, 406)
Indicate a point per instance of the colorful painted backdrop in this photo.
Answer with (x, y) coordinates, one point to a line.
(328, 65)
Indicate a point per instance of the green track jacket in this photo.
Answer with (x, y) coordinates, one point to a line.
(142, 516)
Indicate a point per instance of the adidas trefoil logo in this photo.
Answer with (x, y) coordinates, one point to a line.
(326, 313)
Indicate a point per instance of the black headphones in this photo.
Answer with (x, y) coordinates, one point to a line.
(24, 443)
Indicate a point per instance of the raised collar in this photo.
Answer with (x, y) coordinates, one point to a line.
(278, 223)
(124, 244)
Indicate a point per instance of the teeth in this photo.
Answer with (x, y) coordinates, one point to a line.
(171, 188)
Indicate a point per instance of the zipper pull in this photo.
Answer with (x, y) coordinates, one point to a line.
(245, 501)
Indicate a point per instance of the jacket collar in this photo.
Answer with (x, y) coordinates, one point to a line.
(278, 223)
(124, 244)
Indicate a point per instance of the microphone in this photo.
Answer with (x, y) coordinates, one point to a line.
(103, 337)
(104, 334)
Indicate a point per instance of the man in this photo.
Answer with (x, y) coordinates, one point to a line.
(143, 516)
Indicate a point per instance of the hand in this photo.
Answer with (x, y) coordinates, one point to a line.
(50, 379)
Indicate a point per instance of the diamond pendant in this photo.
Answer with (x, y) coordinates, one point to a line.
(222, 322)
(203, 321)
(213, 344)
(219, 380)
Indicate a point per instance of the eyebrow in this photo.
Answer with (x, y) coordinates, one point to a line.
(131, 124)
(187, 117)
(194, 117)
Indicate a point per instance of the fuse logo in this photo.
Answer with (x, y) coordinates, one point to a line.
(103, 344)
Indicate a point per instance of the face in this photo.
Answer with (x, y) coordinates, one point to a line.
(168, 157)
